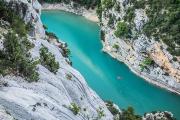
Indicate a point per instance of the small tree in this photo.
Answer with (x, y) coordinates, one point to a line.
(122, 30)
(116, 46)
(74, 108)
(129, 115)
(47, 59)
(145, 63)
(107, 4)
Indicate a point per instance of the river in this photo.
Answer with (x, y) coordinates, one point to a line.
(111, 79)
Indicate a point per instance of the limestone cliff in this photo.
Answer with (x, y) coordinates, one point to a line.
(134, 49)
(53, 96)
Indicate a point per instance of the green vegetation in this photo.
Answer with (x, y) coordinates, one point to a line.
(164, 21)
(145, 63)
(100, 112)
(51, 35)
(128, 114)
(68, 76)
(99, 11)
(122, 30)
(87, 3)
(139, 4)
(17, 24)
(74, 108)
(107, 4)
(47, 59)
(102, 35)
(112, 108)
(117, 7)
(111, 21)
(129, 14)
(116, 46)
(67, 52)
(16, 59)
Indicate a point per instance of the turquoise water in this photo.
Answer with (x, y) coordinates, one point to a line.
(101, 71)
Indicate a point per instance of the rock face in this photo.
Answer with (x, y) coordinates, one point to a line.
(79, 10)
(164, 73)
(52, 96)
(158, 116)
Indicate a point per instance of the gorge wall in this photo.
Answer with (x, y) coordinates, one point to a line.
(134, 48)
(61, 96)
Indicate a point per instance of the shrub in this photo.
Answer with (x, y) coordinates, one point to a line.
(129, 14)
(51, 35)
(68, 76)
(121, 30)
(99, 11)
(111, 21)
(100, 112)
(163, 23)
(116, 46)
(111, 108)
(102, 35)
(67, 52)
(117, 7)
(74, 108)
(174, 59)
(18, 58)
(129, 114)
(47, 59)
(107, 4)
(145, 63)
(8, 14)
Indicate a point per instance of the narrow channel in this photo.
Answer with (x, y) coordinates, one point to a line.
(111, 79)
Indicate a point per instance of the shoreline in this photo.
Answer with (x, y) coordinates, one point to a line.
(92, 16)
(154, 82)
(88, 14)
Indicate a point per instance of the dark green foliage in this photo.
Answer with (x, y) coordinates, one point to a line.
(102, 35)
(138, 4)
(74, 108)
(17, 24)
(174, 59)
(47, 59)
(146, 62)
(51, 35)
(111, 108)
(87, 3)
(16, 59)
(99, 11)
(129, 115)
(45, 27)
(126, 114)
(111, 21)
(107, 4)
(100, 112)
(129, 14)
(117, 7)
(116, 46)
(122, 30)
(164, 23)
(67, 52)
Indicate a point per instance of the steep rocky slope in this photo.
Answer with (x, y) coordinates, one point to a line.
(146, 56)
(57, 96)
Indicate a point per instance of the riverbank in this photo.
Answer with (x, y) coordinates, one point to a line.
(102, 71)
(143, 75)
(92, 16)
(88, 14)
